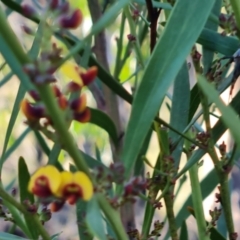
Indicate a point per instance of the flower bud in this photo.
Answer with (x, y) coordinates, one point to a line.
(28, 10)
(82, 117)
(32, 112)
(72, 21)
(89, 76)
(79, 104)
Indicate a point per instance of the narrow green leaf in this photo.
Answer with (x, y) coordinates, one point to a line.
(94, 220)
(184, 231)
(208, 54)
(229, 116)
(180, 109)
(81, 208)
(14, 64)
(214, 41)
(6, 79)
(16, 143)
(167, 58)
(23, 179)
(155, 4)
(8, 236)
(17, 218)
(14, 114)
(42, 142)
(105, 122)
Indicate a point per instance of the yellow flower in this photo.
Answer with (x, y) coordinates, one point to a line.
(45, 181)
(74, 186)
(78, 74)
(72, 71)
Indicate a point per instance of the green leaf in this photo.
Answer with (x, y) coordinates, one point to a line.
(6, 79)
(81, 207)
(184, 231)
(14, 64)
(17, 218)
(42, 142)
(94, 219)
(168, 56)
(208, 54)
(229, 116)
(180, 107)
(214, 41)
(23, 180)
(8, 236)
(155, 4)
(105, 122)
(15, 145)
(14, 114)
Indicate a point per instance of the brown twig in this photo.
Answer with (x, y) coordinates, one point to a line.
(153, 15)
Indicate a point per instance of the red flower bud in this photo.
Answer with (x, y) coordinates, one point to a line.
(72, 21)
(62, 102)
(32, 112)
(89, 76)
(72, 87)
(83, 116)
(28, 10)
(79, 104)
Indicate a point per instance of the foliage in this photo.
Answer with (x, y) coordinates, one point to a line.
(176, 61)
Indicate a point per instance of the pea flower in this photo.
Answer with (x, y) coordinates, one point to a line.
(45, 181)
(74, 186)
(64, 186)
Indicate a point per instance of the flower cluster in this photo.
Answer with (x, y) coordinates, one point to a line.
(77, 107)
(63, 186)
(228, 24)
(41, 71)
(60, 14)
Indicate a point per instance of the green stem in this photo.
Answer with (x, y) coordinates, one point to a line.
(134, 34)
(222, 175)
(119, 48)
(22, 209)
(226, 204)
(197, 203)
(236, 9)
(113, 217)
(170, 215)
(57, 117)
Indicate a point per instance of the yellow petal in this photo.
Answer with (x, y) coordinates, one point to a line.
(72, 71)
(81, 179)
(66, 179)
(51, 173)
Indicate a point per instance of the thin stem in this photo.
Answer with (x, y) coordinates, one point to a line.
(57, 117)
(113, 217)
(222, 174)
(170, 215)
(197, 202)
(236, 9)
(119, 48)
(136, 43)
(22, 209)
